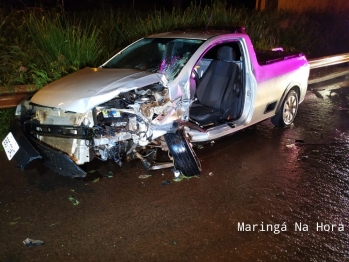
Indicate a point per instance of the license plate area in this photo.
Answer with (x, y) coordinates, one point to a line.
(10, 146)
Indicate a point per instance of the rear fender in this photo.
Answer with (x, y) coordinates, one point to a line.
(294, 86)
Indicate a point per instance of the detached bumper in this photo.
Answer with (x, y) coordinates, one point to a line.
(31, 149)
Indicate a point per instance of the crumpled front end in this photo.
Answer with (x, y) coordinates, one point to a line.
(31, 149)
(130, 126)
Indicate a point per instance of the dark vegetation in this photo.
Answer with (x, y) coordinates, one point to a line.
(38, 46)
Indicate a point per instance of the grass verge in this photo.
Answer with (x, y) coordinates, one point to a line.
(6, 116)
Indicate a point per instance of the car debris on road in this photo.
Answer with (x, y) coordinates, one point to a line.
(31, 242)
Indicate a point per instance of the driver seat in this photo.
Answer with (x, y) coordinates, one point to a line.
(215, 90)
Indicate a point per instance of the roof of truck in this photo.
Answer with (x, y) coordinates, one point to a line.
(199, 33)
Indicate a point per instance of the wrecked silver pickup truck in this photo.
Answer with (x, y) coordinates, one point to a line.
(166, 92)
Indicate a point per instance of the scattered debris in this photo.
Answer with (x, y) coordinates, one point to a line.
(181, 177)
(176, 173)
(31, 242)
(21, 223)
(210, 174)
(316, 151)
(178, 179)
(95, 180)
(15, 222)
(166, 182)
(200, 146)
(343, 91)
(110, 174)
(290, 145)
(74, 200)
(144, 176)
(317, 93)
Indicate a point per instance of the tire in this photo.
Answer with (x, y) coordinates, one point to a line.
(288, 110)
(185, 159)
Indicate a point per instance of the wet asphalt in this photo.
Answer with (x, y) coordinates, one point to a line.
(265, 194)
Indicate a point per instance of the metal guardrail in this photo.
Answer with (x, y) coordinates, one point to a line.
(328, 60)
(9, 99)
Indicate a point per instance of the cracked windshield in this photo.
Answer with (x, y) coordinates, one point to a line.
(158, 55)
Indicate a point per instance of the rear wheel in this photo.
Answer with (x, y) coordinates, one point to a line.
(185, 159)
(288, 110)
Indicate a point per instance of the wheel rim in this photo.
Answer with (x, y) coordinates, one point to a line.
(290, 109)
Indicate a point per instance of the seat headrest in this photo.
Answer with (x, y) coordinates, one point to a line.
(226, 53)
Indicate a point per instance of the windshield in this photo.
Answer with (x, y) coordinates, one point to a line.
(162, 55)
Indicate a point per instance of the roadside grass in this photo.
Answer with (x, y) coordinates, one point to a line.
(6, 116)
(39, 46)
(68, 43)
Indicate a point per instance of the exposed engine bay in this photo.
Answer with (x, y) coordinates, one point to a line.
(130, 126)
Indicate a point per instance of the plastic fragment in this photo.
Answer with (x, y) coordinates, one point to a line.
(176, 173)
(96, 180)
(210, 174)
(290, 145)
(166, 182)
(110, 174)
(74, 200)
(178, 179)
(31, 242)
(144, 176)
(182, 177)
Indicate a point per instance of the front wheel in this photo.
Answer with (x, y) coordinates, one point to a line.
(288, 110)
(183, 155)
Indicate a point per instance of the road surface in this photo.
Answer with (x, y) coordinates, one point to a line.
(265, 194)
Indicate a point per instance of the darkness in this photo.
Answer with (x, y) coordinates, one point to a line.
(83, 5)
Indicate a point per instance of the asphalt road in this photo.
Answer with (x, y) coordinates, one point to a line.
(265, 194)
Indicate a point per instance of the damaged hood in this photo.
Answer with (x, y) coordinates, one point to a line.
(89, 87)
